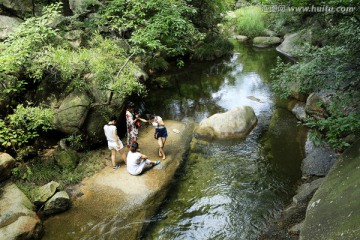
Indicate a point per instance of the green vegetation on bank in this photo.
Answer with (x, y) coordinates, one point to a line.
(249, 21)
(328, 65)
(100, 46)
(40, 171)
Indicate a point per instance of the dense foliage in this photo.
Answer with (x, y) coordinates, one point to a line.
(24, 125)
(331, 68)
(249, 21)
(161, 29)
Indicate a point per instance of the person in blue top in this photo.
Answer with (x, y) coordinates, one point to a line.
(114, 143)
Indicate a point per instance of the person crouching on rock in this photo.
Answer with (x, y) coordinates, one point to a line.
(137, 161)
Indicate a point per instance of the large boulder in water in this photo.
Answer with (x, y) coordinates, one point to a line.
(17, 218)
(263, 42)
(236, 123)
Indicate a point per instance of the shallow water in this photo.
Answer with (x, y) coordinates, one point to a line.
(228, 189)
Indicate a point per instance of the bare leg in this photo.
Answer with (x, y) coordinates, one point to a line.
(122, 153)
(161, 142)
(113, 157)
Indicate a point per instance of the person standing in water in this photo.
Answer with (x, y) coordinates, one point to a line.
(114, 143)
(160, 132)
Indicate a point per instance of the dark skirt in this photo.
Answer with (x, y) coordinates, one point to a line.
(161, 132)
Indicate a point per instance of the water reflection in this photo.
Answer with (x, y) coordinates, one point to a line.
(201, 90)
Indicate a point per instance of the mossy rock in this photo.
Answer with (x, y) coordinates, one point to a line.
(67, 159)
(263, 42)
(44, 193)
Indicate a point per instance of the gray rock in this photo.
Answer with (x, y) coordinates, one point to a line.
(66, 159)
(333, 212)
(293, 43)
(241, 38)
(7, 163)
(43, 193)
(94, 125)
(236, 123)
(317, 103)
(298, 109)
(306, 191)
(17, 218)
(21, 8)
(74, 37)
(60, 202)
(8, 25)
(295, 230)
(318, 161)
(264, 42)
(72, 113)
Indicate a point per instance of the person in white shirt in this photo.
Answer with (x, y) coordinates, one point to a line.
(114, 143)
(137, 161)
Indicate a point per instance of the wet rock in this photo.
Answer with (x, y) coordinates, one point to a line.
(43, 193)
(17, 218)
(60, 202)
(236, 123)
(7, 163)
(263, 42)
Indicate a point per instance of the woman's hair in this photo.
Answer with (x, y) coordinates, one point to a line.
(130, 105)
(112, 118)
(152, 117)
(134, 147)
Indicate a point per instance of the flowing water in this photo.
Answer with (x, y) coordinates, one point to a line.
(229, 189)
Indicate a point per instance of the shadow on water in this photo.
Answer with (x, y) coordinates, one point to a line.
(228, 189)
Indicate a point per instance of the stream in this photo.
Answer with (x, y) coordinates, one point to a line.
(228, 189)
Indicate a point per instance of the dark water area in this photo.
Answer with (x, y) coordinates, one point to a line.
(229, 189)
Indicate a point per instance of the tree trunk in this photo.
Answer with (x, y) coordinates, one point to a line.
(66, 8)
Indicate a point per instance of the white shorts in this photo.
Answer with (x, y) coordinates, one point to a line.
(112, 145)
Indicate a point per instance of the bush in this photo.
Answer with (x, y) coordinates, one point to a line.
(24, 125)
(248, 21)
